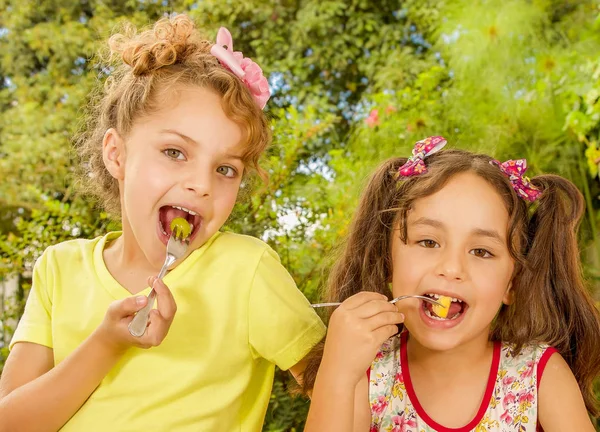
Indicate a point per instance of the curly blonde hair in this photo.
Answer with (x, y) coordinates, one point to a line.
(145, 67)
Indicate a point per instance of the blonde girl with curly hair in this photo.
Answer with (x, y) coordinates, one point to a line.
(176, 129)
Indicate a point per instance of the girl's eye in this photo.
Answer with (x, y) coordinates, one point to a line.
(174, 154)
(430, 244)
(227, 171)
(481, 253)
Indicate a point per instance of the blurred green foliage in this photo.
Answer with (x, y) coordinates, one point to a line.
(514, 78)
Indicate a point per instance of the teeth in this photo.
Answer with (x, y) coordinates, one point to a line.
(193, 213)
(433, 314)
(435, 317)
(162, 228)
(191, 227)
(437, 297)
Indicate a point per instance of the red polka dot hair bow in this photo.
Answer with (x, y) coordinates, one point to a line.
(515, 171)
(415, 164)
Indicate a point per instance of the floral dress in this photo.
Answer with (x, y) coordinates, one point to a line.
(509, 403)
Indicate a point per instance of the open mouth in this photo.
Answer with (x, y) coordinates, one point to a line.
(455, 309)
(167, 213)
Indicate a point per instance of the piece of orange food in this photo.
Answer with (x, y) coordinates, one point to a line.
(442, 311)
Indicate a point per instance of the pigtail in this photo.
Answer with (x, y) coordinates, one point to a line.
(551, 302)
(365, 263)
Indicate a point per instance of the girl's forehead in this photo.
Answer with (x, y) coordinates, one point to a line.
(465, 202)
(195, 115)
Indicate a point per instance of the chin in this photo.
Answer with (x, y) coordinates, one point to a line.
(437, 342)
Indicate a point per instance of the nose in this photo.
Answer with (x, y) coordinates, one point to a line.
(199, 182)
(451, 265)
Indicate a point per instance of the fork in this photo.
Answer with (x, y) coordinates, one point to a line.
(175, 250)
(397, 299)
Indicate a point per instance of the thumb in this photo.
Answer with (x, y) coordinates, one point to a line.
(122, 308)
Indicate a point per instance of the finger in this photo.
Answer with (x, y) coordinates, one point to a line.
(374, 307)
(384, 333)
(158, 328)
(361, 298)
(126, 307)
(384, 319)
(165, 302)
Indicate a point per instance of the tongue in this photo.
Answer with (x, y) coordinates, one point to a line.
(169, 213)
(455, 307)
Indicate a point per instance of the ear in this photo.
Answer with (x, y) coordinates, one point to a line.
(508, 295)
(113, 153)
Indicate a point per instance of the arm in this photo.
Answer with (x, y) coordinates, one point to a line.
(298, 370)
(357, 329)
(560, 404)
(338, 404)
(34, 393)
(36, 396)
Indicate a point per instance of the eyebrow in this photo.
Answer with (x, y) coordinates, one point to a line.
(192, 141)
(429, 222)
(493, 234)
(479, 232)
(180, 135)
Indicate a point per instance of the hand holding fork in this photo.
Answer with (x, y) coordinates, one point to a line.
(175, 250)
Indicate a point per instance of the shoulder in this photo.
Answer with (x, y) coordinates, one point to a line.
(242, 248)
(559, 394)
(243, 243)
(71, 250)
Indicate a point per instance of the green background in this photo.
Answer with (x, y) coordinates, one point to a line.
(512, 78)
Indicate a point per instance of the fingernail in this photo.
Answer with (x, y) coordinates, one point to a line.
(402, 316)
(140, 300)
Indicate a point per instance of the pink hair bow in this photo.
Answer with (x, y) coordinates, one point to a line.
(515, 170)
(245, 69)
(415, 165)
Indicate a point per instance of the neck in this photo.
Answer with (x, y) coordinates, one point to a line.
(127, 263)
(126, 254)
(456, 361)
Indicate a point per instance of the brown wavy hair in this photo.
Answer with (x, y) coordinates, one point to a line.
(147, 70)
(551, 302)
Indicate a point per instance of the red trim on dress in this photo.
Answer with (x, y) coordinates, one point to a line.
(540, 370)
(542, 364)
(419, 409)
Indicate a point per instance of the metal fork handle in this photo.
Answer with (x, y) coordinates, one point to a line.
(427, 299)
(137, 326)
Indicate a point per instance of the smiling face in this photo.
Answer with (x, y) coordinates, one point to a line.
(457, 247)
(182, 161)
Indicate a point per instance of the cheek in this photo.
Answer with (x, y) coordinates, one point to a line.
(151, 178)
(226, 197)
(494, 281)
(407, 272)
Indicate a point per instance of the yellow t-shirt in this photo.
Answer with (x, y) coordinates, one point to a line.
(239, 314)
